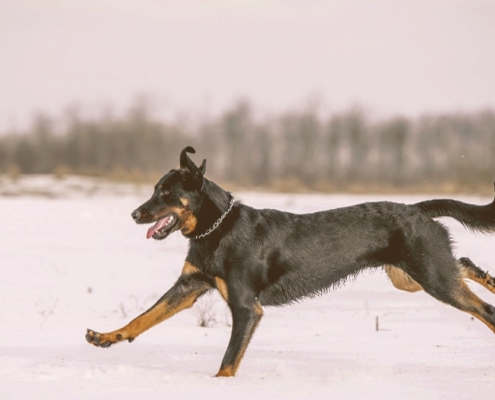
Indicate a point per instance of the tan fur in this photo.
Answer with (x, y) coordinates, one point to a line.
(486, 280)
(401, 280)
(230, 370)
(226, 372)
(156, 314)
(258, 309)
(187, 219)
(189, 269)
(472, 304)
(152, 317)
(222, 288)
(467, 300)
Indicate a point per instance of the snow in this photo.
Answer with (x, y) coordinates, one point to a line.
(74, 259)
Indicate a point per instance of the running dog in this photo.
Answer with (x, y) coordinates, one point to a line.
(258, 258)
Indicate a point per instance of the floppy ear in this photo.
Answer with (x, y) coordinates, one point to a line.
(192, 176)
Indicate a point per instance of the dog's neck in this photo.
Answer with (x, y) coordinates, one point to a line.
(216, 202)
(216, 195)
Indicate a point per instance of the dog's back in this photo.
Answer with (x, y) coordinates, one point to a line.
(292, 256)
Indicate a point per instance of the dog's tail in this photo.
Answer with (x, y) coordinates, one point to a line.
(476, 218)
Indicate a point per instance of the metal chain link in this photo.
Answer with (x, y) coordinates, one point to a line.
(217, 223)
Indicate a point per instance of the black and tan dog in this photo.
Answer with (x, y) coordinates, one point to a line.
(258, 258)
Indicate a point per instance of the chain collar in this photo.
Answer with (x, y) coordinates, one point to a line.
(218, 221)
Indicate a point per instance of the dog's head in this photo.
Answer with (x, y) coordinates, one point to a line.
(176, 197)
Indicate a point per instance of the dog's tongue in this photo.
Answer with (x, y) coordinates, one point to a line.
(159, 225)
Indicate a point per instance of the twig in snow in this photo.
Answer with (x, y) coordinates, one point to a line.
(49, 313)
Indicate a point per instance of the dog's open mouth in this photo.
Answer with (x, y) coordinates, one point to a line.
(163, 227)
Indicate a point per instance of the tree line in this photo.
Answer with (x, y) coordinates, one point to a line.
(296, 150)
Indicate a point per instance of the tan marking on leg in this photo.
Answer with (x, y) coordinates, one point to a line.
(401, 280)
(189, 269)
(258, 309)
(222, 288)
(472, 304)
(226, 372)
(230, 370)
(158, 313)
(485, 280)
(482, 319)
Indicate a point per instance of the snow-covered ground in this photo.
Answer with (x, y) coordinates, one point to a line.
(74, 259)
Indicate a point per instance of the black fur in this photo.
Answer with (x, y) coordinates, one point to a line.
(476, 218)
(271, 258)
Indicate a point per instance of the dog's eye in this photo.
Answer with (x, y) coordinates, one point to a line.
(164, 193)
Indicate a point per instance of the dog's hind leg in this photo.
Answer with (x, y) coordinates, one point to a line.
(470, 271)
(428, 259)
(464, 299)
(190, 285)
(454, 291)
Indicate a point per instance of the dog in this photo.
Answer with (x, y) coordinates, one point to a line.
(258, 258)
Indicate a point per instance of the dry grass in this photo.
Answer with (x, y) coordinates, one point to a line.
(138, 178)
(447, 188)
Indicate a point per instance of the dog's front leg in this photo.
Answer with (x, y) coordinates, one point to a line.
(245, 318)
(190, 285)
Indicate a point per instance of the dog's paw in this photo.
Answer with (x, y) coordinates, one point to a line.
(102, 339)
(226, 372)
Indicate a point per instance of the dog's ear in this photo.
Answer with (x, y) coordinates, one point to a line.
(185, 161)
(192, 176)
(202, 167)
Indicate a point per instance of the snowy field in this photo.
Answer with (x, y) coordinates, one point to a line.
(71, 258)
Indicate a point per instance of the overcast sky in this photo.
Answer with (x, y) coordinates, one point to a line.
(391, 56)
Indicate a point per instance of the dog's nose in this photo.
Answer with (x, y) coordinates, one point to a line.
(136, 214)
